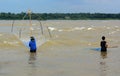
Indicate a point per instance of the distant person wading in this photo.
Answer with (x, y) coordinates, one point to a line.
(103, 44)
(32, 45)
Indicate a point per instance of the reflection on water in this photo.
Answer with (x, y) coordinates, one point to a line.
(32, 62)
(104, 55)
(32, 58)
(103, 64)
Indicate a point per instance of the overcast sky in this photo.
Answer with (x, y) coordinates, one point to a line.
(61, 6)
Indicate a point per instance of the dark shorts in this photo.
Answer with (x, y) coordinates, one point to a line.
(33, 51)
(103, 49)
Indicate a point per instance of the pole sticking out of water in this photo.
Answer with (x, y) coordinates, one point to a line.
(49, 32)
(12, 25)
(20, 32)
(40, 24)
(29, 13)
(41, 27)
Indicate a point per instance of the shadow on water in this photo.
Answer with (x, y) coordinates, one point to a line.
(103, 64)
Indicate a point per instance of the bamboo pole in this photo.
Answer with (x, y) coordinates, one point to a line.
(12, 25)
(49, 32)
(29, 13)
(24, 16)
(41, 27)
(20, 32)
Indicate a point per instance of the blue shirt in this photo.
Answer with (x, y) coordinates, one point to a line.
(32, 45)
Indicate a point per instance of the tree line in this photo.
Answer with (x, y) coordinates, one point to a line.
(58, 16)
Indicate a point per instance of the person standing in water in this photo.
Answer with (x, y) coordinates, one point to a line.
(103, 45)
(32, 45)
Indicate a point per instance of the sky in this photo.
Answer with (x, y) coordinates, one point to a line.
(60, 6)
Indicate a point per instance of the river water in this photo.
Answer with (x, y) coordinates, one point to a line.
(65, 48)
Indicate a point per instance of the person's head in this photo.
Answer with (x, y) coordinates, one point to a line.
(32, 38)
(103, 37)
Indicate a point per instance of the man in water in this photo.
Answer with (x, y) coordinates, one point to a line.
(32, 45)
(103, 44)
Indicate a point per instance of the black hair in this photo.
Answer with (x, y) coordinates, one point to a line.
(103, 37)
(32, 38)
